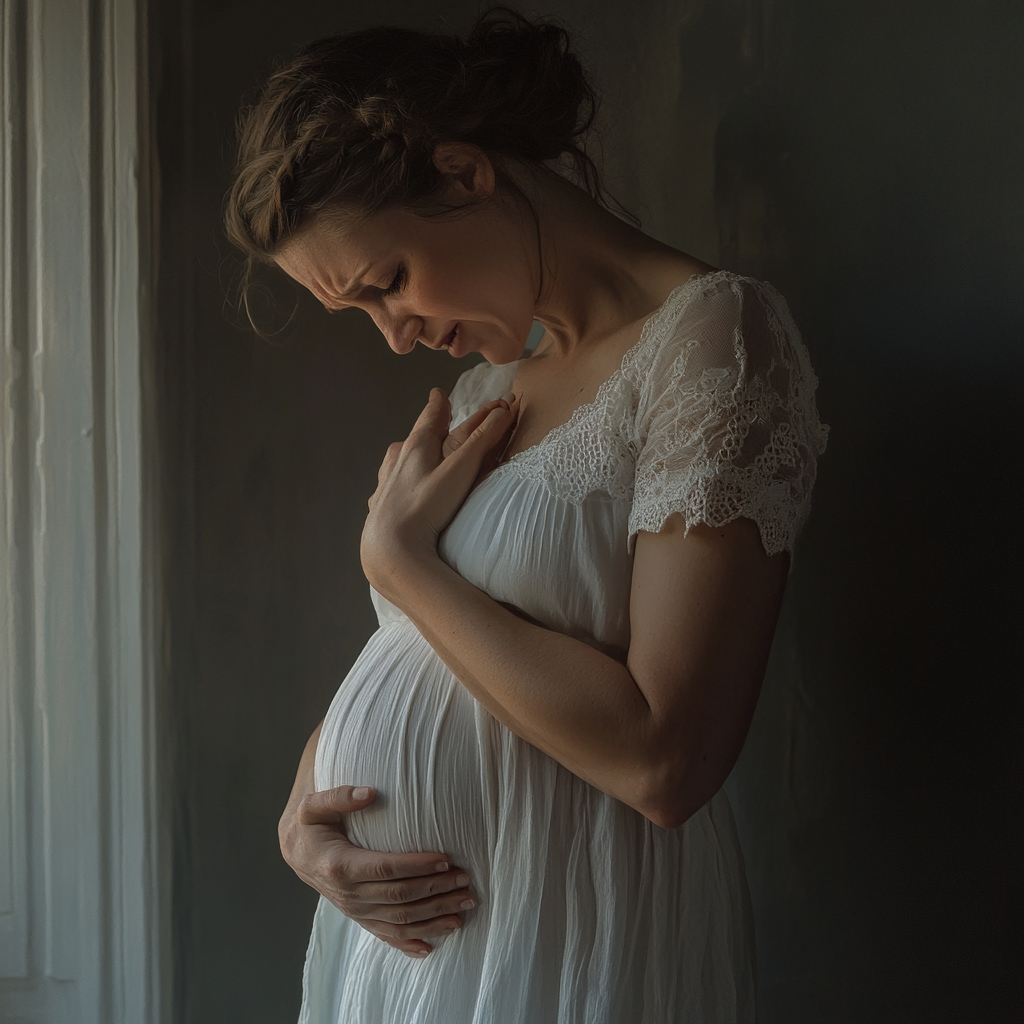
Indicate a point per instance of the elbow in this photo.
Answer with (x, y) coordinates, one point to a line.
(672, 795)
(672, 819)
(668, 814)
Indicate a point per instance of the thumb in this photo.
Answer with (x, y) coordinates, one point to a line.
(327, 806)
(489, 438)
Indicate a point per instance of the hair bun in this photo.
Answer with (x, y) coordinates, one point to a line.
(532, 93)
(353, 120)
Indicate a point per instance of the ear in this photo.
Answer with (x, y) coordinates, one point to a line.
(468, 169)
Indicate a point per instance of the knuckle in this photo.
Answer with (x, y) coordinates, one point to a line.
(396, 894)
(402, 917)
(383, 871)
(334, 873)
(307, 805)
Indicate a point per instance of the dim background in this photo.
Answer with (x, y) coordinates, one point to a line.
(865, 157)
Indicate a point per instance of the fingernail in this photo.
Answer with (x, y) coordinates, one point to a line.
(361, 793)
(462, 880)
(507, 397)
(443, 866)
(420, 952)
(468, 904)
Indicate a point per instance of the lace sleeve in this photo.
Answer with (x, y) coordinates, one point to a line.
(726, 420)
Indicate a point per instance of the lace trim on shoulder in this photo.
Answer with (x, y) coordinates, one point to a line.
(595, 450)
(735, 437)
(734, 440)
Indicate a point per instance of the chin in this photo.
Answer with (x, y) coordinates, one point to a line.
(502, 355)
(501, 358)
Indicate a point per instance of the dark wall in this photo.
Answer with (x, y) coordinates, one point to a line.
(866, 158)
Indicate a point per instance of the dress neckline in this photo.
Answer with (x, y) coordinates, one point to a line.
(646, 333)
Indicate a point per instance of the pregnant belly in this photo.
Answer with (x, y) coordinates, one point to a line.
(401, 722)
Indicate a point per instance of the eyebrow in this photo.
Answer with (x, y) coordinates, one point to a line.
(352, 289)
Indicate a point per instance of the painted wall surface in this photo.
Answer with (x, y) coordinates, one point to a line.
(865, 158)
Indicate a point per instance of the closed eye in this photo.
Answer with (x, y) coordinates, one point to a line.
(396, 282)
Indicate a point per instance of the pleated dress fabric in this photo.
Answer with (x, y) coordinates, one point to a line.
(587, 912)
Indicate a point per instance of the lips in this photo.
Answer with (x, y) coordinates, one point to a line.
(449, 340)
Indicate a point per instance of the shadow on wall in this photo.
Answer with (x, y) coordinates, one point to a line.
(868, 163)
(866, 159)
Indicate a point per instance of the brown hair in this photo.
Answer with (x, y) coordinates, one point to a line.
(352, 121)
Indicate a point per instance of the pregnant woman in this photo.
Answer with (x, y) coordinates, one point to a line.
(513, 809)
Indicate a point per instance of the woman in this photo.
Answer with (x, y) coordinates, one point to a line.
(577, 583)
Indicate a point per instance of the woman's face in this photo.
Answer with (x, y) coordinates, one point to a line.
(468, 281)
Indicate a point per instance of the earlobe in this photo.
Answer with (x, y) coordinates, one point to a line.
(467, 167)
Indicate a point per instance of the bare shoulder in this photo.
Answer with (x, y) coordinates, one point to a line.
(672, 269)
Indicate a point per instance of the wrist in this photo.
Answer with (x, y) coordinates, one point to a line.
(397, 571)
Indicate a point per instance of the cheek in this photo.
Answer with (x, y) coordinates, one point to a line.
(467, 258)
(469, 277)
(458, 289)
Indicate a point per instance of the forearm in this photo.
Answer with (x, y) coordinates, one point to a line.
(578, 705)
(660, 733)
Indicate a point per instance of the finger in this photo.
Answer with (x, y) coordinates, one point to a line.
(497, 451)
(422, 930)
(431, 428)
(463, 467)
(415, 947)
(328, 805)
(451, 885)
(449, 904)
(375, 866)
(458, 436)
(387, 467)
(391, 457)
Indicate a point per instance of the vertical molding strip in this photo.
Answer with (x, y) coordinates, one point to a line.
(67, 576)
(15, 553)
(135, 899)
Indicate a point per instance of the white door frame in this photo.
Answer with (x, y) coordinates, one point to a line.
(82, 888)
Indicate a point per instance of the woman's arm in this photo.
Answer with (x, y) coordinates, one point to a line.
(401, 898)
(661, 732)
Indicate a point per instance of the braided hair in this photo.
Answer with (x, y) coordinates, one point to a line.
(352, 121)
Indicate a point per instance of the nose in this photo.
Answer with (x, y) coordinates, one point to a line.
(400, 332)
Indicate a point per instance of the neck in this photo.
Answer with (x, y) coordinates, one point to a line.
(597, 274)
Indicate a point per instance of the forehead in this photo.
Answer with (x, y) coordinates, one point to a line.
(331, 250)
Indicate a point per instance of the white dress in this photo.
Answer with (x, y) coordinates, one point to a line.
(587, 913)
